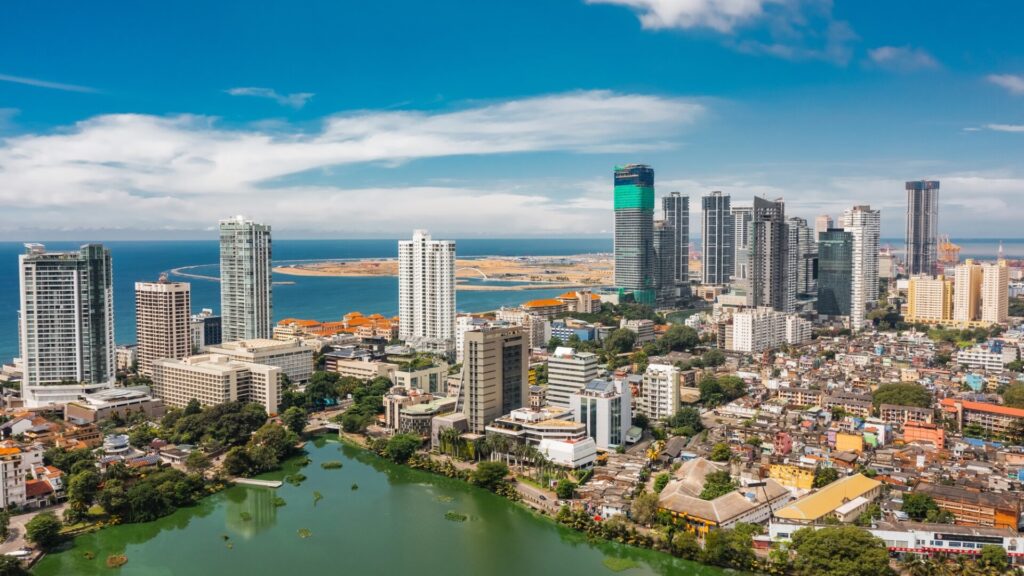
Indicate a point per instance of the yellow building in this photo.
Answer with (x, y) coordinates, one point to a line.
(849, 443)
(792, 476)
(840, 500)
(930, 300)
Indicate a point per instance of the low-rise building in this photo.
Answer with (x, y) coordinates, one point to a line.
(920, 432)
(990, 356)
(533, 426)
(603, 406)
(214, 379)
(827, 503)
(991, 418)
(896, 414)
(644, 330)
(294, 359)
(104, 404)
(975, 508)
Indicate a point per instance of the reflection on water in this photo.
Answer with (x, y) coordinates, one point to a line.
(250, 510)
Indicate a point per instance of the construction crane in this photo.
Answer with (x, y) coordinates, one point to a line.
(949, 253)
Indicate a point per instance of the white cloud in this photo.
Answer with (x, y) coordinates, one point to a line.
(720, 15)
(183, 172)
(296, 100)
(45, 84)
(902, 58)
(1014, 83)
(1006, 127)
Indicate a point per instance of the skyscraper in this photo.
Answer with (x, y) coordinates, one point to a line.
(922, 226)
(741, 216)
(245, 280)
(426, 292)
(717, 239)
(771, 283)
(634, 231)
(821, 224)
(865, 225)
(163, 312)
(66, 324)
(981, 293)
(835, 272)
(995, 295)
(804, 256)
(676, 208)
(494, 375)
(665, 262)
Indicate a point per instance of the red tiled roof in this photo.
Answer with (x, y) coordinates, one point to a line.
(36, 488)
(949, 404)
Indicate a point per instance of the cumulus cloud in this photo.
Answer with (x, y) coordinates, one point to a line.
(901, 58)
(296, 100)
(1005, 127)
(45, 84)
(720, 15)
(1013, 83)
(186, 171)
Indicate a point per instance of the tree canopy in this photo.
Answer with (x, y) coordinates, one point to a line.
(685, 422)
(620, 341)
(718, 483)
(716, 390)
(720, 452)
(824, 475)
(43, 530)
(839, 551)
(1013, 395)
(902, 394)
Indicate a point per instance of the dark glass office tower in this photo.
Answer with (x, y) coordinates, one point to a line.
(634, 231)
(922, 226)
(835, 272)
(676, 208)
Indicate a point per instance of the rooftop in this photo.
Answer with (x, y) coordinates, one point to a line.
(828, 499)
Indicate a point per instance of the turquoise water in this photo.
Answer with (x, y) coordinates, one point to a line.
(309, 297)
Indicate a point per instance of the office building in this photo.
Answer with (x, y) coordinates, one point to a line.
(717, 229)
(929, 300)
(835, 272)
(803, 257)
(245, 279)
(865, 225)
(922, 226)
(634, 232)
(741, 216)
(659, 392)
(66, 323)
(758, 329)
(206, 329)
(163, 312)
(822, 223)
(494, 376)
(665, 261)
(603, 406)
(294, 359)
(214, 379)
(569, 372)
(426, 292)
(770, 282)
(676, 209)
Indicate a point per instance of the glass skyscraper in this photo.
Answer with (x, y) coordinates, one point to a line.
(835, 272)
(717, 239)
(676, 208)
(634, 232)
(922, 226)
(245, 280)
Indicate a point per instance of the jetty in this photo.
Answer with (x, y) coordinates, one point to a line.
(256, 482)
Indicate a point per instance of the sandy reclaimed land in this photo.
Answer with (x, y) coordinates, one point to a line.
(553, 271)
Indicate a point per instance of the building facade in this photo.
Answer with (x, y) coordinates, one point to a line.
(569, 372)
(659, 394)
(717, 229)
(929, 300)
(665, 262)
(495, 377)
(214, 379)
(676, 209)
(246, 302)
(835, 272)
(294, 359)
(771, 281)
(865, 226)
(922, 226)
(603, 406)
(634, 231)
(66, 323)
(426, 292)
(163, 312)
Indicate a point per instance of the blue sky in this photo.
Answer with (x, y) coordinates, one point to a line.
(338, 119)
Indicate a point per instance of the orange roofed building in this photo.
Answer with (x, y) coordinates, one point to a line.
(993, 418)
(372, 326)
(583, 301)
(922, 432)
(546, 308)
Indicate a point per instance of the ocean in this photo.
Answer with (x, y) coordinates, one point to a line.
(311, 297)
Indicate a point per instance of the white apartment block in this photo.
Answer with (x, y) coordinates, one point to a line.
(798, 330)
(294, 359)
(603, 406)
(758, 329)
(995, 293)
(990, 357)
(659, 392)
(245, 279)
(12, 477)
(426, 292)
(568, 373)
(865, 226)
(536, 328)
(644, 330)
(163, 315)
(66, 323)
(214, 379)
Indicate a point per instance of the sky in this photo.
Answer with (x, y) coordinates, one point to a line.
(136, 120)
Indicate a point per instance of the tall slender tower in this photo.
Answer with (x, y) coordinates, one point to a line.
(634, 231)
(771, 282)
(822, 223)
(741, 216)
(922, 226)
(717, 239)
(494, 378)
(163, 312)
(865, 225)
(245, 280)
(426, 292)
(665, 263)
(676, 209)
(835, 272)
(66, 324)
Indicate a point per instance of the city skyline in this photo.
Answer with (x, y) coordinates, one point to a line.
(106, 143)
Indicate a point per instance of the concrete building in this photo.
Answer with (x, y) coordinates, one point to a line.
(833, 502)
(922, 226)
(163, 312)
(758, 329)
(771, 281)
(603, 406)
(106, 403)
(569, 372)
(975, 508)
(634, 232)
(536, 329)
(865, 227)
(246, 301)
(214, 379)
(294, 359)
(741, 217)
(994, 419)
(995, 293)
(494, 376)
(206, 330)
(426, 292)
(981, 293)
(822, 223)
(665, 262)
(676, 211)
(644, 330)
(835, 273)
(717, 230)
(988, 356)
(533, 426)
(659, 394)
(929, 300)
(66, 323)
(804, 257)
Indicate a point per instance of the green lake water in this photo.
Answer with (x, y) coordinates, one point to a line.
(393, 524)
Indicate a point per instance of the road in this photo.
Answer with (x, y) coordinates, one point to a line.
(16, 539)
(545, 500)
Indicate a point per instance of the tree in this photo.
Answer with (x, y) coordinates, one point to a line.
(5, 524)
(715, 391)
(82, 490)
(11, 566)
(644, 508)
(728, 548)
(43, 530)
(680, 337)
(918, 505)
(192, 408)
(1013, 395)
(823, 476)
(489, 475)
(712, 358)
(660, 481)
(720, 452)
(236, 462)
(565, 489)
(685, 545)
(839, 551)
(718, 483)
(554, 342)
(686, 422)
(401, 447)
(620, 341)
(197, 462)
(295, 419)
(641, 421)
(994, 557)
(902, 394)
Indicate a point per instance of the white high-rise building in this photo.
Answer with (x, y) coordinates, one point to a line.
(659, 392)
(995, 293)
(758, 329)
(245, 280)
(865, 225)
(569, 372)
(603, 406)
(426, 292)
(163, 312)
(67, 323)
